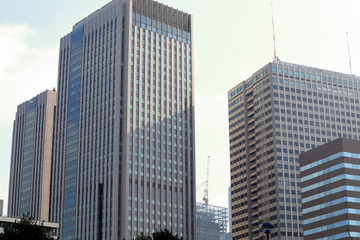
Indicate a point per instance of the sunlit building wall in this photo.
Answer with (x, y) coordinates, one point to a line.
(31, 157)
(282, 110)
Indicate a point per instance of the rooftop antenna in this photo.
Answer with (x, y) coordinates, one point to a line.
(273, 28)
(347, 36)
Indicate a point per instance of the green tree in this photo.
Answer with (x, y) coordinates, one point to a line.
(26, 228)
(164, 234)
(143, 237)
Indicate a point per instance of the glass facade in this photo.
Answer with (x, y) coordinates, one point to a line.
(72, 134)
(27, 173)
(86, 119)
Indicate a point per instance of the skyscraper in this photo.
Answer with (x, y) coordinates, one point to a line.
(283, 109)
(29, 185)
(330, 190)
(124, 129)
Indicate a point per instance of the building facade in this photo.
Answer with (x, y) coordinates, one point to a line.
(124, 160)
(283, 109)
(330, 190)
(29, 185)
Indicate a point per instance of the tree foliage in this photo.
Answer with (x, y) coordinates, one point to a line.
(143, 237)
(164, 234)
(27, 228)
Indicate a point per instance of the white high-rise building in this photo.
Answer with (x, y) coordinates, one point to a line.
(123, 155)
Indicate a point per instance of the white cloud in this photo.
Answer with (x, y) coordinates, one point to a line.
(24, 71)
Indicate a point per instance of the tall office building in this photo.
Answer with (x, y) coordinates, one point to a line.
(330, 190)
(124, 129)
(280, 111)
(29, 185)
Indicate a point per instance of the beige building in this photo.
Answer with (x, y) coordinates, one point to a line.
(29, 186)
(282, 110)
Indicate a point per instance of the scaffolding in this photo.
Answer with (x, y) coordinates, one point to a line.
(211, 221)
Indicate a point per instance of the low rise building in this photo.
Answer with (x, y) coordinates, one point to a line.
(48, 226)
(330, 190)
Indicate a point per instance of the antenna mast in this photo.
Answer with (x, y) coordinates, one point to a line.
(347, 36)
(273, 28)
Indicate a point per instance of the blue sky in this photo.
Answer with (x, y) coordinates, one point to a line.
(232, 39)
(50, 19)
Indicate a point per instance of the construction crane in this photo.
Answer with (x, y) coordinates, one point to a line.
(206, 183)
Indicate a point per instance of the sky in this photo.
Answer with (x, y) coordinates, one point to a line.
(232, 39)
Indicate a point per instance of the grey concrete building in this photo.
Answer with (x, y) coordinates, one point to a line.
(1, 207)
(330, 190)
(29, 185)
(123, 159)
(283, 109)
